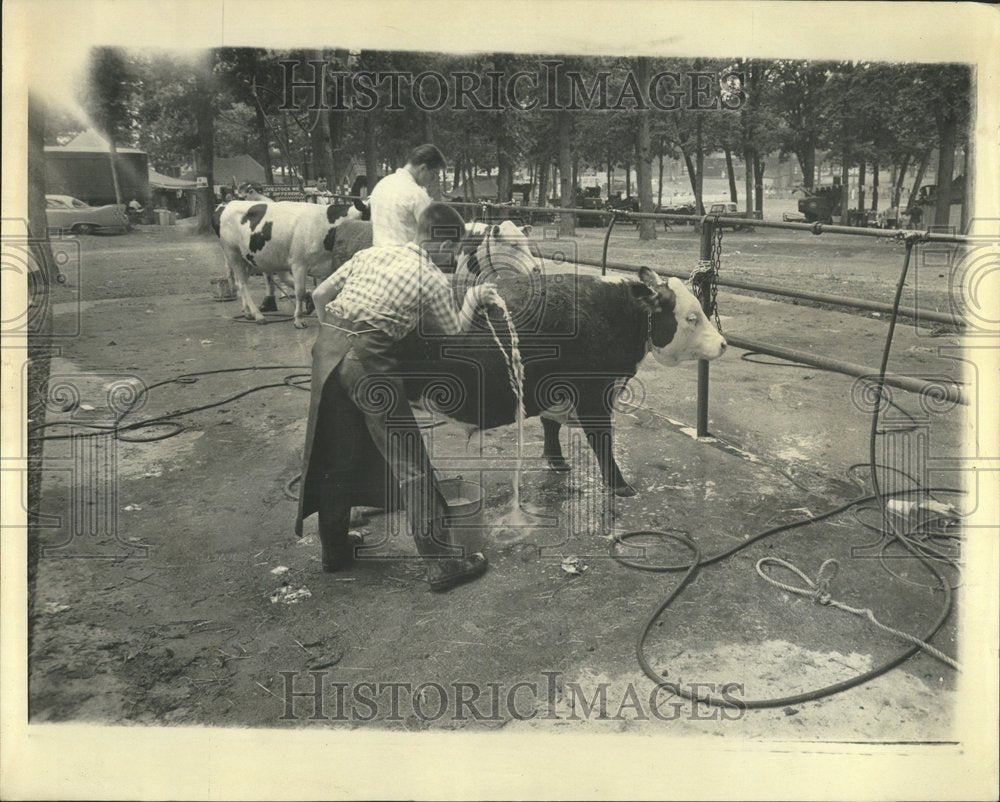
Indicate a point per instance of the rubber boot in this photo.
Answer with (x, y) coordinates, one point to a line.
(448, 564)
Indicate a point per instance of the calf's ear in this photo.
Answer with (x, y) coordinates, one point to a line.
(649, 277)
(644, 296)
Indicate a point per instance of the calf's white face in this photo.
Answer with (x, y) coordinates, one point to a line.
(680, 329)
(506, 250)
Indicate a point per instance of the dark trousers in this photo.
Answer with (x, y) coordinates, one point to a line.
(365, 436)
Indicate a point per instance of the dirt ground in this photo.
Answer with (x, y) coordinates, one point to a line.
(172, 588)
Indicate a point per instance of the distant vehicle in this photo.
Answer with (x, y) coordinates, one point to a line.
(732, 216)
(587, 200)
(678, 208)
(66, 213)
(821, 205)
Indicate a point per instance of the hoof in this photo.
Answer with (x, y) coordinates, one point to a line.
(310, 305)
(260, 321)
(299, 324)
(269, 305)
(624, 491)
(558, 464)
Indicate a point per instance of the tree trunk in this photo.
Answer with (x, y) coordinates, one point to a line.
(371, 157)
(968, 190)
(875, 169)
(919, 179)
(807, 161)
(505, 158)
(845, 183)
(263, 143)
(567, 221)
(731, 174)
(543, 181)
(576, 173)
(286, 149)
(861, 184)
(699, 156)
(659, 191)
(900, 179)
(947, 130)
(205, 128)
(628, 179)
(644, 161)
(322, 152)
(748, 159)
(457, 178)
(759, 165)
(42, 276)
(693, 178)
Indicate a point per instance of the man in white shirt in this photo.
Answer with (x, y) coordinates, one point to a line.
(398, 200)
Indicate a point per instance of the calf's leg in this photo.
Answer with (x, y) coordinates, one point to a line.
(596, 422)
(552, 450)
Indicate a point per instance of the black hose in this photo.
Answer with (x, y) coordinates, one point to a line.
(117, 429)
(691, 569)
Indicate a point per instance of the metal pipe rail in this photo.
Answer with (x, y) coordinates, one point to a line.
(814, 228)
(819, 297)
(949, 392)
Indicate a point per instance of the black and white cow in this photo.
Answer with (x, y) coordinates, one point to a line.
(287, 242)
(581, 338)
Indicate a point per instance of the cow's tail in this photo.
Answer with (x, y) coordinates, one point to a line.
(217, 218)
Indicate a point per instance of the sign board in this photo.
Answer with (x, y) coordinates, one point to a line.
(283, 192)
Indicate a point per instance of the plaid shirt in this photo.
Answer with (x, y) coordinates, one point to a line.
(392, 288)
(396, 203)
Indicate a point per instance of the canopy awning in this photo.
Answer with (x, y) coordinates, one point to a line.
(160, 181)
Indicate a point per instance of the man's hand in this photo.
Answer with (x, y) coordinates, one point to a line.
(483, 294)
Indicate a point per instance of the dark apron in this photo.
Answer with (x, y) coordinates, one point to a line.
(357, 397)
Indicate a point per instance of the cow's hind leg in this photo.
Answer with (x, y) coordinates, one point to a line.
(270, 303)
(299, 275)
(238, 270)
(552, 450)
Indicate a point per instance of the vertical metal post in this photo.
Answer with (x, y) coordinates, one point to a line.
(707, 232)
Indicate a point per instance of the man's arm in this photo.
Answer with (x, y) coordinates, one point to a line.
(439, 307)
(329, 289)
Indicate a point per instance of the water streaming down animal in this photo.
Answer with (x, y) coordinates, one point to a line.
(515, 373)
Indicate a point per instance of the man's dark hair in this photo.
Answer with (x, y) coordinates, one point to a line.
(427, 156)
(440, 223)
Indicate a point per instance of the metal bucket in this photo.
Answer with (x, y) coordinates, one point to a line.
(223, 289)
(465, 511)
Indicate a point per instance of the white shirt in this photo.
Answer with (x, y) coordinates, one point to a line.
(397, 202)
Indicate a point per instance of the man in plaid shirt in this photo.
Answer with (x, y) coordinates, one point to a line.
(361, 438)
(398, 200)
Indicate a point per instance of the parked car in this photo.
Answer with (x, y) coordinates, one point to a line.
(738, 220)
(677, 208)
(66, 213)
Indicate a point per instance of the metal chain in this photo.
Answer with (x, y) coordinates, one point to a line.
(716, 266)
(703, 279)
